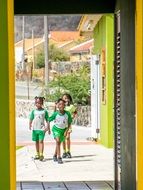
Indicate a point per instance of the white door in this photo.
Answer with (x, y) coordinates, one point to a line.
(95, 97)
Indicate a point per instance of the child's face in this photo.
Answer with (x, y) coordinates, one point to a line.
(66, 99)
(61, 105)
(38, 103)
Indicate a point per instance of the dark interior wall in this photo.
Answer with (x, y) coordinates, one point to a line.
(128, 132)
(117, 5)
(63, 6)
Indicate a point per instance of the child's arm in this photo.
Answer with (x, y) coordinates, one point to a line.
(74, 114)
(30, 124)
(52, 117)
(47, 122)
(48, 128)
(31, 119)
(69, 123)
(67, 130)
(55, 107)
(74, 111)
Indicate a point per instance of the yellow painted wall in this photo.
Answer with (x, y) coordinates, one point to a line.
(11, 71)
(7, 97)
(139, 91)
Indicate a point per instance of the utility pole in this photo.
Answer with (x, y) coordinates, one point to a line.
(23, 44)
(28, 91)
(33, 50)
(46, 50)
(25, 59)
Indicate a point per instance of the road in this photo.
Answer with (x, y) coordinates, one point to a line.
(22, 89)
(23, 134)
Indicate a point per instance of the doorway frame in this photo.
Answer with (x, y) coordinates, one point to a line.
(8, 96)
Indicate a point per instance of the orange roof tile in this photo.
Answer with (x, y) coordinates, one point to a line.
(64, 35)
(83, 47)
(57, 37)
(28, 43)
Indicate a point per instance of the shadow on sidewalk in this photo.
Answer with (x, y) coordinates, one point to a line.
(69, 159)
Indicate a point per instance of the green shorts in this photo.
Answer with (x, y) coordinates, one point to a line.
(38, 135)
(58, 133)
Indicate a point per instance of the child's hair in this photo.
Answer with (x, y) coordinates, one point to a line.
(40, 98)
(60, 99)
(68, 96)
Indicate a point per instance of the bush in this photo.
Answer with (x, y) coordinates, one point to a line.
(55, 54)
(77, 84)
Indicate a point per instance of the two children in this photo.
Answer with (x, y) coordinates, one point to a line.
(39, 122)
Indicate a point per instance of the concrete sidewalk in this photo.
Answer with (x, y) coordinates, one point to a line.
(89, 162)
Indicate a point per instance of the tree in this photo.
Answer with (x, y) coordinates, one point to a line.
(39, 60)
(76, 83)
(55, 54)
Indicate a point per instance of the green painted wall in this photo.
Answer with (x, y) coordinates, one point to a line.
(104, 39)
(4, 97)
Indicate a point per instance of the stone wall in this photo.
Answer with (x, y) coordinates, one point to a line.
(83, 117)
(24, 107)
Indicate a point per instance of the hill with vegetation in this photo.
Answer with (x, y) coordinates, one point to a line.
(36, 23)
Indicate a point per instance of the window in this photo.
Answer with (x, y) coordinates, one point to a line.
(103, 79)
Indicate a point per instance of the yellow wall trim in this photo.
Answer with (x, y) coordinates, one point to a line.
(82, 21)
(139, 91)
(10, 12)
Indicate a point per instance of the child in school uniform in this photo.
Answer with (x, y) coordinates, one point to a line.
(62, 120)
(39, 124)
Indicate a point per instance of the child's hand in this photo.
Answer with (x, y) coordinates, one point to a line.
(49, 132)
(30, 127)
(70, 130)
(56, 106)
(75, 114)
(65, 134)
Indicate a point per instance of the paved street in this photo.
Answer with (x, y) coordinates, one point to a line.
(22, 89)
(23, 134)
